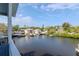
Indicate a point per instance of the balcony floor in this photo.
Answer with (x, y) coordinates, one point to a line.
(4, 50)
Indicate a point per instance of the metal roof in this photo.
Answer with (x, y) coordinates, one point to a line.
(4, 8)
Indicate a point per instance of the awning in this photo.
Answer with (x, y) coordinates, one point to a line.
(4, 9)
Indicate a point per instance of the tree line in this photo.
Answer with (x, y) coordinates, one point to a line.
(67, 27)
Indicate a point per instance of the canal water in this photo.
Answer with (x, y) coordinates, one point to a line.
(46, 46)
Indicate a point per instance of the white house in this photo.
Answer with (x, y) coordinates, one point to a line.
(37, 31)
(29, 31)
(60, 30)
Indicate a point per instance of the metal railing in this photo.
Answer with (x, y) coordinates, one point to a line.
(13, 51)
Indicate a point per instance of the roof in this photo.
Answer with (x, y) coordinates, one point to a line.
(4, 8)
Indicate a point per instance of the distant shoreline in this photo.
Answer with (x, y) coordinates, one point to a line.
(65, 35)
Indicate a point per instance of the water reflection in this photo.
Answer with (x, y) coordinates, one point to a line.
(43, 45)
(27, 38)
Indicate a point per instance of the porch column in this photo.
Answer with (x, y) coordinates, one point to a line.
(9, 24)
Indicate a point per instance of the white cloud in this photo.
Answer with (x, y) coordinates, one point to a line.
(61, 6)
(42, 6)
(47, 9)
(20, 15)
(27, 19)
(55, 6)
(3, 19)
(23, 20)
(35, 6)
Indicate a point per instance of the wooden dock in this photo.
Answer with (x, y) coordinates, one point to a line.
(18, 35)
(3, 37)
(14, 35)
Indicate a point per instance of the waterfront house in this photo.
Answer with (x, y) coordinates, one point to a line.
(60, 30)
(37, 31)
(29, 32)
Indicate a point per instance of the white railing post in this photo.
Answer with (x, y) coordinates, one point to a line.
(9, 25)
(13, 51)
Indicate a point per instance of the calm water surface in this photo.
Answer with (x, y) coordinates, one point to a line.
(43, 45)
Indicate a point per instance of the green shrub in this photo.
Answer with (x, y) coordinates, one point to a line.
(76, 36)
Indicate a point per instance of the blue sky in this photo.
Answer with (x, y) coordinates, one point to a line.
(47, 14)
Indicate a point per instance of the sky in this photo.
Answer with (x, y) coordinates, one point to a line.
(47, 14)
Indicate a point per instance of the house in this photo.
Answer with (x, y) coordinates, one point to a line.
(37, 31)
(60, 30)
(28, 31)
